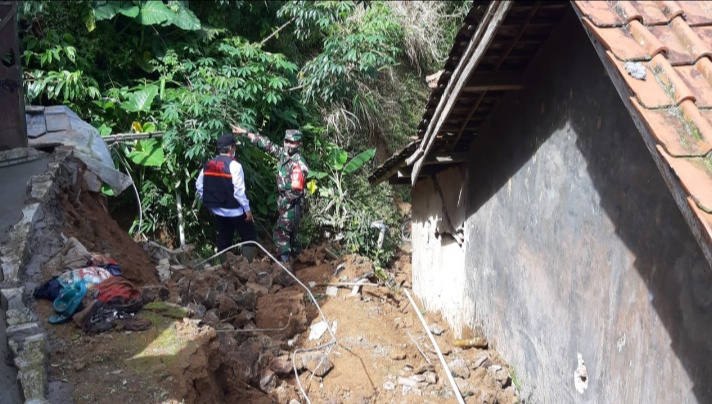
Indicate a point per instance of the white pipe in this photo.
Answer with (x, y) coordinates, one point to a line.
(382, 227)
(437, 350)
(181, 229)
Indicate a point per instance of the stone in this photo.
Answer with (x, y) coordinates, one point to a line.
(332, 291)
(389, 386)
(264, 279)
(257, 289)
(93, 182)
(424, 367)
(226, 306)
(481, 361)
(317, 363)
(246, 300)
(164, 270)
(458, 368)
(284, 279)
(268, 381)
(12, 298)
(479, 373)
(15, 317)
(243, 318)
(431, 377)
(31, 361)
(282, 365)
(79, 366)
(211, 317)
(465, 387)
(436, 329)
(397, 355)
(405, 381)
(17, 333)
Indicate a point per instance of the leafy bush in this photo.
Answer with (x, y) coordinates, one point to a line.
(349, 74)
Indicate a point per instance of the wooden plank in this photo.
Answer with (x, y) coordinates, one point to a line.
(451, 158)
(678, 193)
(480, 42)
(494, 81)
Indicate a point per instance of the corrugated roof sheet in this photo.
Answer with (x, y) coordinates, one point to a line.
(672, 40)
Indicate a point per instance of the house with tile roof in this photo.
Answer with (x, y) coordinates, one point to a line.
(562, 196)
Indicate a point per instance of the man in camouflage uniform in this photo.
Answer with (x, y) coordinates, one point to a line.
(292, 171)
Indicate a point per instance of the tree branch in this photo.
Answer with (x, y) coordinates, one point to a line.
(277, 31)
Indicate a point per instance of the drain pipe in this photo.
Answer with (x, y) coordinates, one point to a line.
(382, 227)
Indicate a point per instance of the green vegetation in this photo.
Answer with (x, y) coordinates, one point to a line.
(349, 74)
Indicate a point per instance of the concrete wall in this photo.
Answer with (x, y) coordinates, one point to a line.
(574, 245)
(438, 211)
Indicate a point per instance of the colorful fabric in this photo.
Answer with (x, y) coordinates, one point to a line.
(91, 276)
(107, 263)
(49, 290)
(117, 290)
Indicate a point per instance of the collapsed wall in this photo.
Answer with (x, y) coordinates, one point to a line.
(28, 245)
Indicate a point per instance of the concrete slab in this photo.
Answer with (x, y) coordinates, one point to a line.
(14, 183)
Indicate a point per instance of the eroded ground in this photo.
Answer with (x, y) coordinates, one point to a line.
(231, 335)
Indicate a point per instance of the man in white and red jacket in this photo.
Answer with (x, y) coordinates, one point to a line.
(221, 186)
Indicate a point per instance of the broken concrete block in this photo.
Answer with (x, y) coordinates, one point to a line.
(282, 365)
(332, 291)
(317, 330)
(268, 381)
(458, 368)
(12, 298)
(164, 270)
(317, 363)
(93, 182)
(15, 317)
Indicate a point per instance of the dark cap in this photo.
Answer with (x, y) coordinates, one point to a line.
(227, 139)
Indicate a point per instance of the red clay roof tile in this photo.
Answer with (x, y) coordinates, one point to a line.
(600, 13)
(695, 176)
(697, 12)
(684, 44)
(648, 91)
(668, 78)
(681, 130)
(704, 218)
(673, 41)
(628, 45)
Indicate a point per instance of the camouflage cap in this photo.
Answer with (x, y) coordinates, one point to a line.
(293, 135)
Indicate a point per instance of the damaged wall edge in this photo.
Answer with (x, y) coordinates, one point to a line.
(26, 338)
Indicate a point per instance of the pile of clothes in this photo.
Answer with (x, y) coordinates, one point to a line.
(92, 292)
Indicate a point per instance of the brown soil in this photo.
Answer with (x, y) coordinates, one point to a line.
(212, 356)
(87, 219)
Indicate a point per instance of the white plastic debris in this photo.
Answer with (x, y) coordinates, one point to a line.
(636, 70)
(317, 330)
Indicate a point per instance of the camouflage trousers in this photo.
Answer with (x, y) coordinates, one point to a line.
(286, 231)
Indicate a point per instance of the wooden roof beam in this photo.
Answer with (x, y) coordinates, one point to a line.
(494, 81)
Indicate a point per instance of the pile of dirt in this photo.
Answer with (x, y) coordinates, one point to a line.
(236, 333)
(87, 218)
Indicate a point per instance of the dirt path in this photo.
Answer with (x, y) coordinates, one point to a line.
(205, 345)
